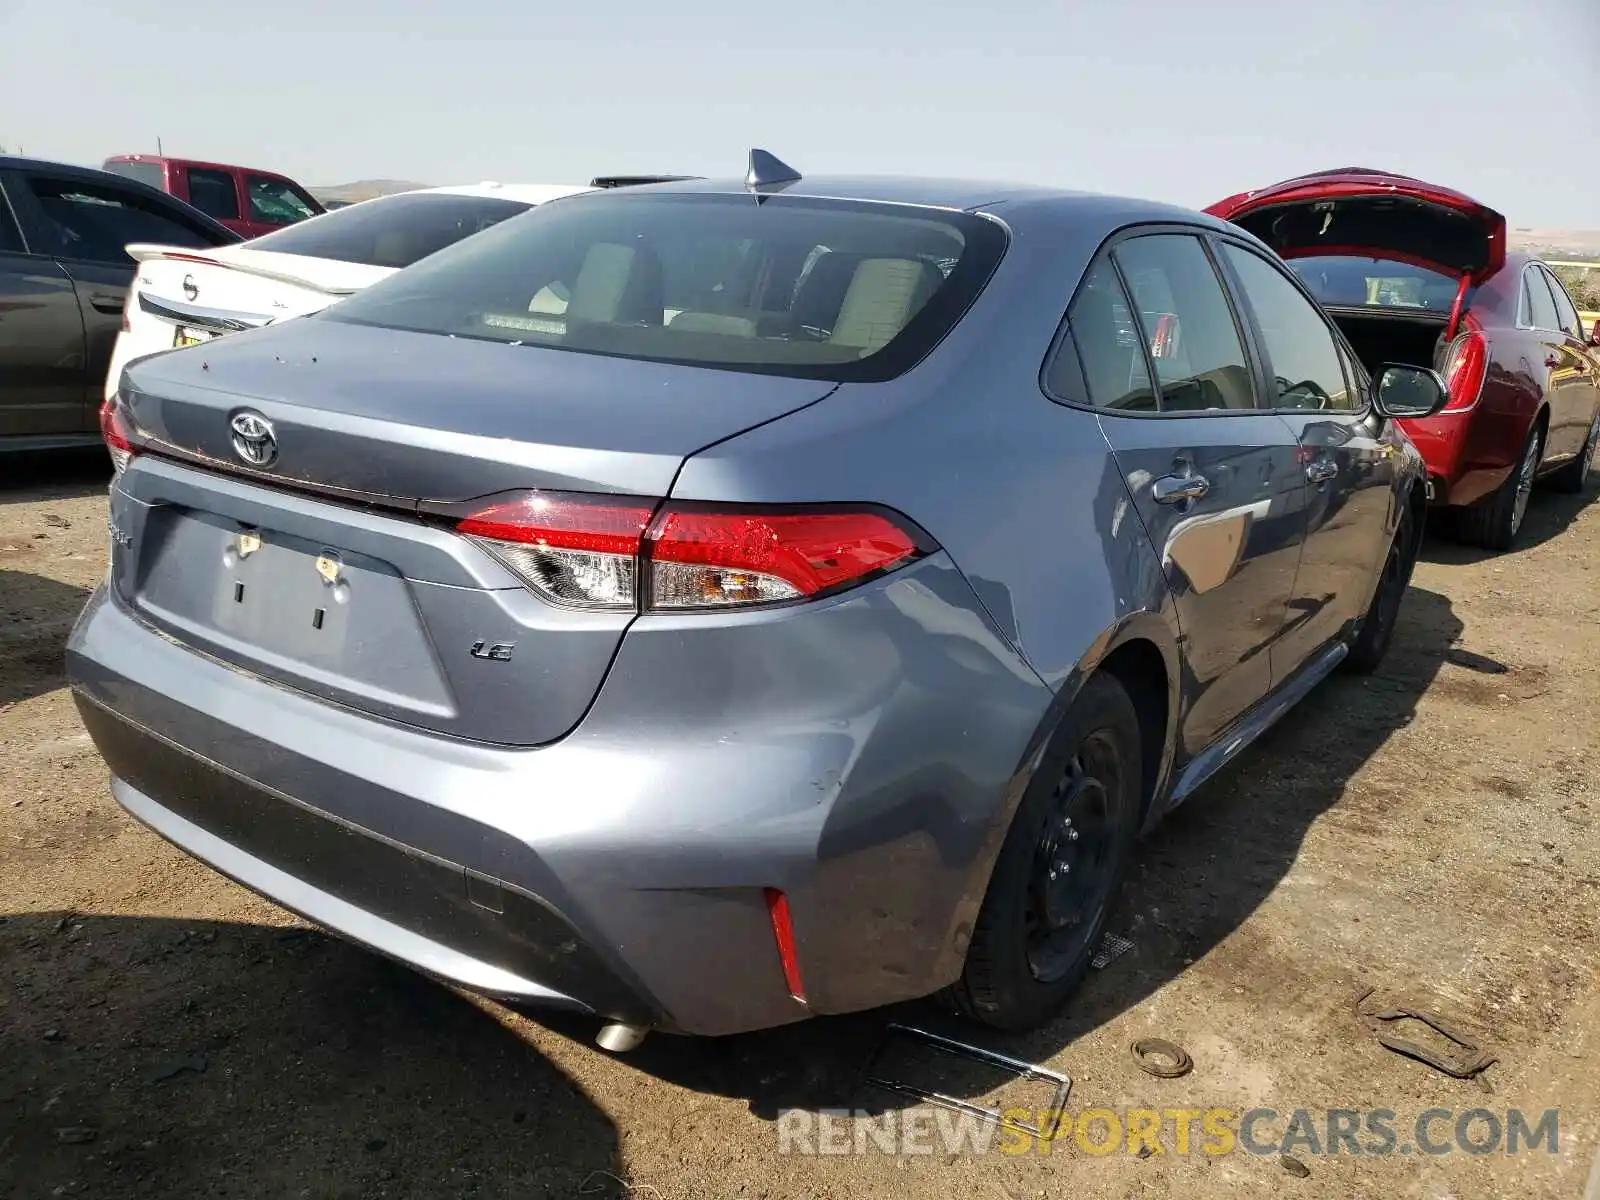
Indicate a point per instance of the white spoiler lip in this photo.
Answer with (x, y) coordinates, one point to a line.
(148, 252)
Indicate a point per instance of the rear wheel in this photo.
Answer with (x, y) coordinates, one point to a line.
(1573, 476)
(1494, 522)
(1377, 627)
(1060, 866)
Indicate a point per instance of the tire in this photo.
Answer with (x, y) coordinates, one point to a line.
(1495, 521)
(1572, 477)
(1377, 626)
(1037, 931)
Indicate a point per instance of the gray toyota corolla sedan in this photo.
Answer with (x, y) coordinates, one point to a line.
(716, 604)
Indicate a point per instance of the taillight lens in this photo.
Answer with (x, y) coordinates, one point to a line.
(577, 550)
(714, 558)
(598, 552)
(115, 430)
(1466, 365)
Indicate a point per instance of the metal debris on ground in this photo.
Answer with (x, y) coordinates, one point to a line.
(944, 1045)
(1161, 1058)
(1466, 1058)
(1111, 948)
(1294, 1166)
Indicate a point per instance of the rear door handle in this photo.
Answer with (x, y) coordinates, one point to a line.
(1322, 470)
(1175, 489)
(106, 303)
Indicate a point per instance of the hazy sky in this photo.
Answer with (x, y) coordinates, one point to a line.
(1182, 100)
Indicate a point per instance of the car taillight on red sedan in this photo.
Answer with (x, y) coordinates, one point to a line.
(1466, 366)
(599, 552)
(115, 430)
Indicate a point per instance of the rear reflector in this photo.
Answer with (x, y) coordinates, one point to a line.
(606, 553)
(783, 935)
(1466, 365)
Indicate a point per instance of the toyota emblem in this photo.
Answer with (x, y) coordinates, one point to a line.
(190, 288)
(253, 438)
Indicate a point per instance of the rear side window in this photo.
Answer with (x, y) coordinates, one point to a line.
(1304, 354)
(1184, 318)
(1566, 312)
(1541, 306)
(277, 201)
(145, 172)
(393, 231)
(1107, 339)
(821, 289)
(214, 193)
(10, 235)
(93, 222)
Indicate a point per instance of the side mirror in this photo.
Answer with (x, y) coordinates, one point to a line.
(1407, 393)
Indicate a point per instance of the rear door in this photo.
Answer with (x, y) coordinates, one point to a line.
(1572, 377)
(85, 225)
(1212, 477)
(41, 339)
(1347, 464)
(215, 192)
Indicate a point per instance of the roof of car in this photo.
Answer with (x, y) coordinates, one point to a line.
(963, 194)
(527, 193)
(12, 162)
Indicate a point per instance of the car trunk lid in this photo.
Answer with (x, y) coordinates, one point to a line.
(320, 570)
(1364, 212)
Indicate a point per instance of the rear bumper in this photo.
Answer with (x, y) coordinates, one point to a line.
(860, 755)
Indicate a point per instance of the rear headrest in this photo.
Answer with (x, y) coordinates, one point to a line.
(884, 294)
(618, 284)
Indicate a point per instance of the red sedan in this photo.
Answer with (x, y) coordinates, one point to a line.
(1416, 273)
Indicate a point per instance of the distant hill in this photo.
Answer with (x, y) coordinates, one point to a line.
(364, 189)
(1580, 244)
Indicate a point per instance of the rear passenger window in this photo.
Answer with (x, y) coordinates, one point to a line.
(94, 222)
(1541, 307)
(1184, 319)
(1107, 340)
(10, 235)
(1306, 367)
(1566, 313)
(214, 194)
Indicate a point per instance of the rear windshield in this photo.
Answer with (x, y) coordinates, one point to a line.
(145, 172)
(821, 289)
(1342, 281)
(392, 231)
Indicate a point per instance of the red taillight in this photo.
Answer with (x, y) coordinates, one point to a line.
(604, 552)
(714, 558)
(783, 935)
(114, 429)
(1466, 365)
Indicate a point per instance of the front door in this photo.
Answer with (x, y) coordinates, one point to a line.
(1213, 479)
(1345, 456)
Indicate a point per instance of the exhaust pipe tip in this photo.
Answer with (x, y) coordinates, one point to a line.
(619, 1037)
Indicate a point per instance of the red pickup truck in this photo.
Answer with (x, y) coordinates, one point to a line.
(248, 201)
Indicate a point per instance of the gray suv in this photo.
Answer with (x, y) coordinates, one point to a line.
(714, 604)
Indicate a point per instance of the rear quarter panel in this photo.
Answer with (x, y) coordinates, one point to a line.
(1021, 492)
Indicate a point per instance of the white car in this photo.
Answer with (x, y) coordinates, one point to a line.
(181, 296)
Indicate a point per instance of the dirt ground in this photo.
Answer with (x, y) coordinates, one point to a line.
(1429, 832)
